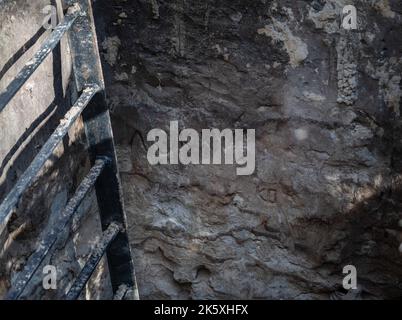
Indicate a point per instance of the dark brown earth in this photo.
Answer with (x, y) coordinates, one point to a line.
(325, 103)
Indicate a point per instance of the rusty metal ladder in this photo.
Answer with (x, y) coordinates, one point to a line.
(78, 24)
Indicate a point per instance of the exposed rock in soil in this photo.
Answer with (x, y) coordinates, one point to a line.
(325, 105)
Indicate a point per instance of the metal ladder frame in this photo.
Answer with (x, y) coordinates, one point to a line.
(79, 25)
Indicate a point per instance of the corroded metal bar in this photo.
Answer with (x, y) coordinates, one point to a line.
(29, 175)
(39, 57)
(121, 292)
(98, 129)
(84, 48)
(97, 253)
(50, 238)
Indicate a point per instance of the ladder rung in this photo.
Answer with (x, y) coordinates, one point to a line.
(121, 292)
(91, 264)
(50, 238)
(46, 151)
(98, 129)
(38, 58)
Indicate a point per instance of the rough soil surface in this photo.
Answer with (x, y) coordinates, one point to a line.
(325, 103)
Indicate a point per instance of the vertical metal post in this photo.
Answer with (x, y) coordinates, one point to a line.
(98, 129)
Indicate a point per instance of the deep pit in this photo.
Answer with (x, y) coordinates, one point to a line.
(325, 106)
